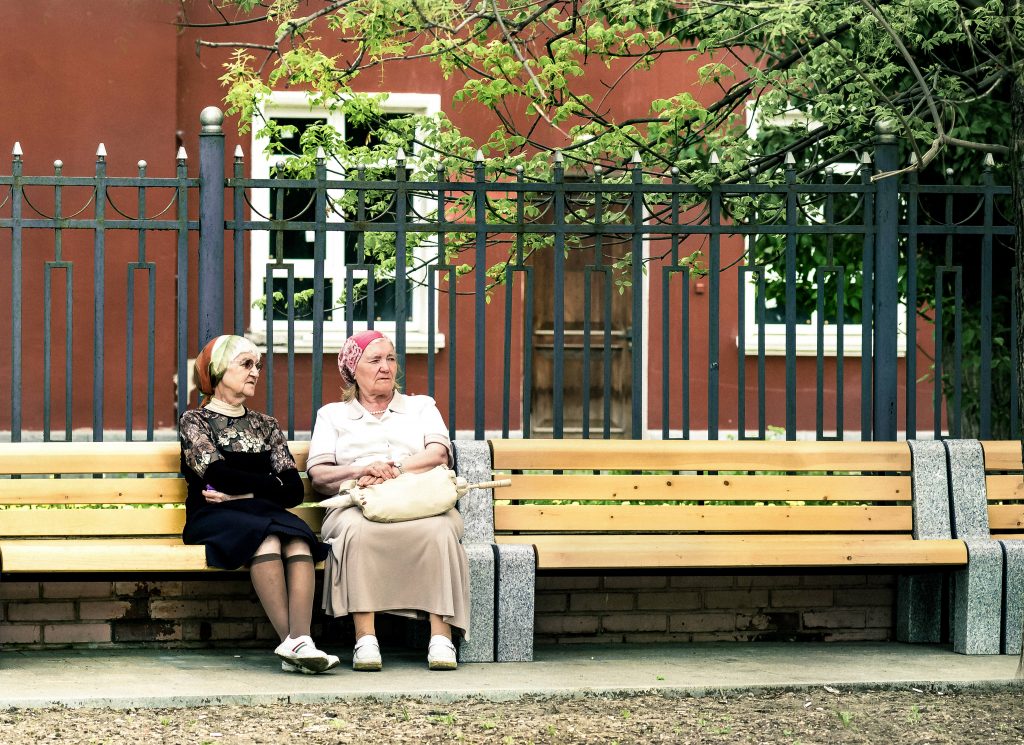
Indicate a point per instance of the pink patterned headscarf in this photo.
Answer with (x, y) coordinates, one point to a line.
(352, 351)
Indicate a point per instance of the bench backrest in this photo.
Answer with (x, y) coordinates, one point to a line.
(629, 487)
(1004, 483)
(59, 489)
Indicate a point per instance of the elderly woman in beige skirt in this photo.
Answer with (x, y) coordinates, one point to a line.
(416, 568)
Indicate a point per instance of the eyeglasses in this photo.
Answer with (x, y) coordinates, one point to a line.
(248, 365)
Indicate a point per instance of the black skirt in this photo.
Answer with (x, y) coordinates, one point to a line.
(232, 531)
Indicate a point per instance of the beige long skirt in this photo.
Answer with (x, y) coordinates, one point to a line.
(409, 568)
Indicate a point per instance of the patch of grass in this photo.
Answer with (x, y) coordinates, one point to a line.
(846, 717)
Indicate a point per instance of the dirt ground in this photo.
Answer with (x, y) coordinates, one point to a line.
(820, 715)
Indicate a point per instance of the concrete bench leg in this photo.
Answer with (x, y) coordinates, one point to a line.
(977, 605)
(516, 585)
(919, 598)
(480, 645)
(978, 589)
(1013, 594)
(919, 608)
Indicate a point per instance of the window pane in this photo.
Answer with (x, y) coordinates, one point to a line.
(295, 204)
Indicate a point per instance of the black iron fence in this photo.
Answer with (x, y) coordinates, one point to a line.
(593, 303)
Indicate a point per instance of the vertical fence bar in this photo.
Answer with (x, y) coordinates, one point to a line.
(181, 198)
(986, 301)
(319, 259)
(558, 197)
(910, 379)
(790, 310)
(637, 280)
(50, 267)
(149, 268)
(867, 298)
(238, 242)
(16, 299)
(99, 290)
(480, 294)
(401, 197)
(885, 353)
(506, 380)
(211, 225)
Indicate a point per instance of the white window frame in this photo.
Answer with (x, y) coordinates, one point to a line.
(806, 333)
(283, 105)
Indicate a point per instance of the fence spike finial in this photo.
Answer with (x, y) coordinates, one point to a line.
(58, 164)
(17, 152)
(790, 160)
(988, 161)
(636, 158)
(913, 160)
(142, 165)
(479, 157)
(558, 158)
(101, 151)
(713, 158)
(400, 154)
(321, 154)
(865, 158)
(239, 153)
(181, 153)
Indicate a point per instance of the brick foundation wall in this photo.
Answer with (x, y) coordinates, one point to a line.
(570, 609)
(701, 608)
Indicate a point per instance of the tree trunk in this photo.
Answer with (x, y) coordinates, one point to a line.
(1017, 178)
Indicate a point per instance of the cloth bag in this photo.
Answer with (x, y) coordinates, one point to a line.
(410, 496)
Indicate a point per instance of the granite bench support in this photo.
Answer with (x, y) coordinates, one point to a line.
(1002, 491)
(919, 596)
(950, 502)
(978, 588)
(502, 577)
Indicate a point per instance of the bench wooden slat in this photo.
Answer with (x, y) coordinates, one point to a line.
(718, 518)
(1002, 487)
(104, 457)
(1006, 516)
(693, 455)
(737, 552)
(114, 555)
(1002, 455)
(580, 487)
(93, 491)
(110, 522)
(171, 490)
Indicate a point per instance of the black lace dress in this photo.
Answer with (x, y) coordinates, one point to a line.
(239, 455)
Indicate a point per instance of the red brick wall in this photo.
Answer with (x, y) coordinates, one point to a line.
(698, 608)
(570, 609)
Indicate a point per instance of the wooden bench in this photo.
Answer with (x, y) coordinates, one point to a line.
(589, 504)
(595, 505)
(1004, 488)
(116, 508)
(137, 496)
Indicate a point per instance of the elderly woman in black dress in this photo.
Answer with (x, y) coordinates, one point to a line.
(241, 480)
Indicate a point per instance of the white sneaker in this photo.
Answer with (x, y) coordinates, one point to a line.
(290, 668)
(441, 653)
(302, 652)
(366, 655)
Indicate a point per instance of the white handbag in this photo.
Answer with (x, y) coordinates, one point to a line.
(410, 496)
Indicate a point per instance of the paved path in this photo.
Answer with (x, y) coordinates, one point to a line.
(156, 678)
